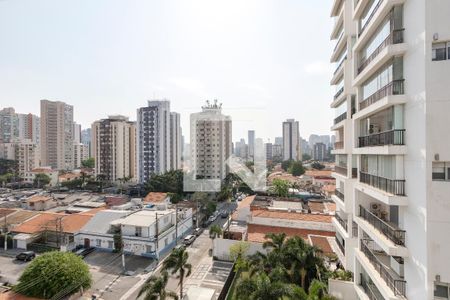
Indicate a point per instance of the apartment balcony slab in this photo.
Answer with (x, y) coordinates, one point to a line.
(381, 195)
(380, 105)
(359, 9)
(340, 204)
(339, 48)
(375, 22)
(382, 150)
(338, 73)
(361, 293)
(338, 125)
(339, 21)
(336, 7)
(383, 57)
(337, 250)
(383, 288)
(340, 228)
(386, 244)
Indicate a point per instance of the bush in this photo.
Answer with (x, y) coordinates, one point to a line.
(54, 274)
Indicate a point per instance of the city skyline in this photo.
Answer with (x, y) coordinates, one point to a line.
(124, 82)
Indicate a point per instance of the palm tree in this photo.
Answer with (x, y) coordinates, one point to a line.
(177, 263)
(318, 291)
(154, 288)
(214, 231)
(275, 241)
(262, 287)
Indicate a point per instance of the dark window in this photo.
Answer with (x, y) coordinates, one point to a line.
(441, 291)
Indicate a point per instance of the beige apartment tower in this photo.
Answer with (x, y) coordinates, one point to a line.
(114, 148)
(56, 135)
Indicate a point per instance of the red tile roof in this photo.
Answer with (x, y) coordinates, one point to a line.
(50, 221)
(155, 197)
(6, 211)
(322, 243)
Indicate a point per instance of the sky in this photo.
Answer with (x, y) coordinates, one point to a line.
(264, 60)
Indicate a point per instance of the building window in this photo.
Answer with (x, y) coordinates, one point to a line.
(138, 231)
(441, 291)
(440, 171)
(148, 248)
(110, 244)
(439, 51)
(98, 243)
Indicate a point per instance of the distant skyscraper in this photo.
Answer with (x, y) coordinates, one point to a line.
(269, 151)
(241, 149)
(76, 133)
(9, 125)
(320, 151)
(291, 140)
(278, 140)
(210, 142)
(251, 144)
(56, 135)
(29, 128)
(114, 148)
(159, 145)
(86, 140)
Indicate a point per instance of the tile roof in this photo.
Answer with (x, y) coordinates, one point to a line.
(39, 198)
(14, 296)
(20, 216)
(322, 243)
(155, 197)
(50, 221)
(256, 233)
(261, 213)
(330, 206)
(315, 173)
(6, 211)
(329, 188)
(316, 206)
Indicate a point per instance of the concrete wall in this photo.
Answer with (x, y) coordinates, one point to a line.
(221, 248)
(342, 290)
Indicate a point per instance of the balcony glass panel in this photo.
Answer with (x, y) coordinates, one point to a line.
(369, 288)
(368, 14)
(379, 165)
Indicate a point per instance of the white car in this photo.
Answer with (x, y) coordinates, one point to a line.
(189, 239)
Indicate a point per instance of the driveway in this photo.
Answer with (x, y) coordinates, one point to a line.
(11, 269)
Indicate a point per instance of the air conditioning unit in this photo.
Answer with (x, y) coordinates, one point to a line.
(375, 207)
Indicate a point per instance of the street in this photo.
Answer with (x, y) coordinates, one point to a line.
(205, 272)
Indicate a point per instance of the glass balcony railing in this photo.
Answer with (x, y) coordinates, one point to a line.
(341, 221)
(339, 194)
(364, 26)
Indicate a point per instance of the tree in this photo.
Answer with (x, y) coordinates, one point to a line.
(318, 166)
(306, 156)
(318, 291)
(238, 252)
(286, 164)
(41, 180)
(54, 274)
(168, 182)
(280, 187)
(88, 163)
(177, 263)
(261, 287)
(8, 166)
(154, 288)
(296, 168)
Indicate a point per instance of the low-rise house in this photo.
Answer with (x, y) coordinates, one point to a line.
(53, 174)
(69, 177)
(157, 199)
(40, 203)
(50, 229)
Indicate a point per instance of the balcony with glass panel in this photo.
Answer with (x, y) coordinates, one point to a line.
(386, 271)
(341, 224)
(339, 95)
(339, 71)
(341, 165)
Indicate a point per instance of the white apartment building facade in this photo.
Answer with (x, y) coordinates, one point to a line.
(114, 148)
(291, 140)
(211, 143)
(159, 139)
(56, 135)
(391, 103)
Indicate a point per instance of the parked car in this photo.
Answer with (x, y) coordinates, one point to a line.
(180, 246)
(26, 256)
(224, 214)
(83, 252)
(188, 240)
(198, 231)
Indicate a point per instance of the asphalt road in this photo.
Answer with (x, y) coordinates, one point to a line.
(198, 257)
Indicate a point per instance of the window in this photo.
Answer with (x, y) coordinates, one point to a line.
(439, 51)
(138, 231)
(148, 248)
(98, 243)
(110, 244)
(440, 171)
(440, 291)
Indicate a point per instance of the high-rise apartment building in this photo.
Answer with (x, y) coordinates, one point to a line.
(278, 140)
(392, 152)
(29, 127)
(114, 147)
(269, 151)
(56, 132)
(319, 151)
(9, 125)
(241, 149)
(211, 143)
(291, 140)
(251, 145)
(86, 140)
(159, 139)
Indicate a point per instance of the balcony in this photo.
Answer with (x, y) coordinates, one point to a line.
(392, 280)
(340, 170)
(370, 289)
(395, 37)
(340, 65)
(394, 234)
(392, 186)
(339, 194)
(340, 245)
(354, 172)
(370, 17)
(395, 87)
(339, 145)
(391, 137)
(341, 118)
(341, 90)
(341, 221)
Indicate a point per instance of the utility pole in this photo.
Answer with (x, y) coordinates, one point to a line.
(197, 213)
(123, 252)
(6, 234)
(176, 225)
(156, 237)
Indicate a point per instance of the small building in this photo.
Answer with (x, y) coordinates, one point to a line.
(40, 203)
(53, 174)
(157, 199)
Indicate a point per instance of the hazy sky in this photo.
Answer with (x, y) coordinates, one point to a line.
(265, 60)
